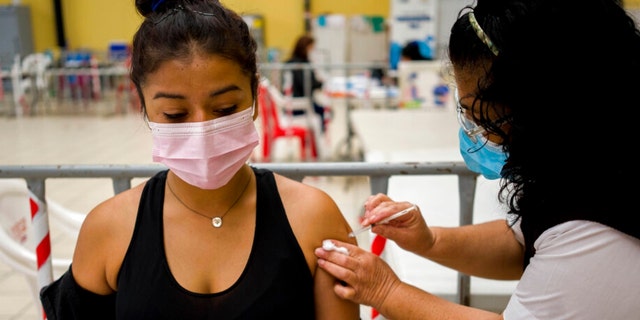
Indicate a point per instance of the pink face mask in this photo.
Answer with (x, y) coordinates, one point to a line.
(206, 154)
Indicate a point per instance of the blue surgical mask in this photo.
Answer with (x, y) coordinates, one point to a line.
(483, 157)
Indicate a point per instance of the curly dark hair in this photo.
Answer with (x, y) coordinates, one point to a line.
(566, 72)
(177, 29)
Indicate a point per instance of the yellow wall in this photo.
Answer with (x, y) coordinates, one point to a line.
(92, 24)
(631, 4)
(350, 7)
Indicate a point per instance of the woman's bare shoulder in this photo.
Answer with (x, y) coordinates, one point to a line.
(116, 214)
(103, 240)
(313, 210)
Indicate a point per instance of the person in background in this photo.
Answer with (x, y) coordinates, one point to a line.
(415, 51)
(211, 237)
(529, 111)
(303, 78)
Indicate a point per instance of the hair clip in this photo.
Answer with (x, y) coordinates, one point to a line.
(483, 36)
(208, 14)
(180, 8)
(170, 13)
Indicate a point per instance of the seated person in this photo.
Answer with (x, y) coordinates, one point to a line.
(300, 54)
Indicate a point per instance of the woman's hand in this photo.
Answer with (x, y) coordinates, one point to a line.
(364, 277)
(409, 231)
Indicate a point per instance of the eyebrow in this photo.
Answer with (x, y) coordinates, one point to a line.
(212, 94)
(464, 106)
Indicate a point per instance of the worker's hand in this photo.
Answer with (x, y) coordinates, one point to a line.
(409, 231)
(363, 277)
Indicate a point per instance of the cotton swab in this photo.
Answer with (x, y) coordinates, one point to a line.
(330, 246)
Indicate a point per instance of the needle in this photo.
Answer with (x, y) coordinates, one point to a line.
(391, 217)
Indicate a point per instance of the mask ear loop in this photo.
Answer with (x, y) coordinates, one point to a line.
(477, 148)
(145, 117)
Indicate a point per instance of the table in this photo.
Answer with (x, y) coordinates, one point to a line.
(345, 143)
(343, 99)
(407, 134)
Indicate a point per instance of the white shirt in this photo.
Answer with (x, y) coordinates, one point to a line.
(581, 270)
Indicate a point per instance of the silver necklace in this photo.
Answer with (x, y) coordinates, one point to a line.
(217, 220)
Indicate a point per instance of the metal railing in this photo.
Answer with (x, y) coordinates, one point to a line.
(378, 174)
(100, 81)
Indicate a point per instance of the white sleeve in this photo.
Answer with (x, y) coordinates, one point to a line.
(516, 228)
(581, 270)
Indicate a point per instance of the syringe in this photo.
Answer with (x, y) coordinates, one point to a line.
(391, 217)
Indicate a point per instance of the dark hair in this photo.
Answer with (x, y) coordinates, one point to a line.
(301, 48)
(565, 77)
(178, 29)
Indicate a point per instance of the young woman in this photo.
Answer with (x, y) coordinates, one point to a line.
(211, 237)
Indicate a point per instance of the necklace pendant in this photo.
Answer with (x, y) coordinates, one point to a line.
(216, 222)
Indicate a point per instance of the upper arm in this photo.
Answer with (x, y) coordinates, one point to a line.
(314, 217)
(102, 242)
(577, 266)
(328, 304)
(331, 225)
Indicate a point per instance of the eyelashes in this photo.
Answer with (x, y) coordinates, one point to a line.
(216, 112)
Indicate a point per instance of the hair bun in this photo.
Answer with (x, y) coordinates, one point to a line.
(148, 7)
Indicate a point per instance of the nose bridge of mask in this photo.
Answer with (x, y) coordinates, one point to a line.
(202, 128)
(198, 140)
(229, 122)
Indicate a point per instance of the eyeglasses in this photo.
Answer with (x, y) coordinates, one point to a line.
(470, 128)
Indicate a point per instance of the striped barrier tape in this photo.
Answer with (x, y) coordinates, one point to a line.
(40, 227)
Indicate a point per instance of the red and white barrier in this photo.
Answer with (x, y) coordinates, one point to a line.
(40, 227)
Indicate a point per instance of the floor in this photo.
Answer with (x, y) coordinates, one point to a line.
(96, 134)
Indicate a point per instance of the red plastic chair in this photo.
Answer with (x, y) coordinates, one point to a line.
(273, 129)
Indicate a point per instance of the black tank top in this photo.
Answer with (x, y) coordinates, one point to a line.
(275, 284)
